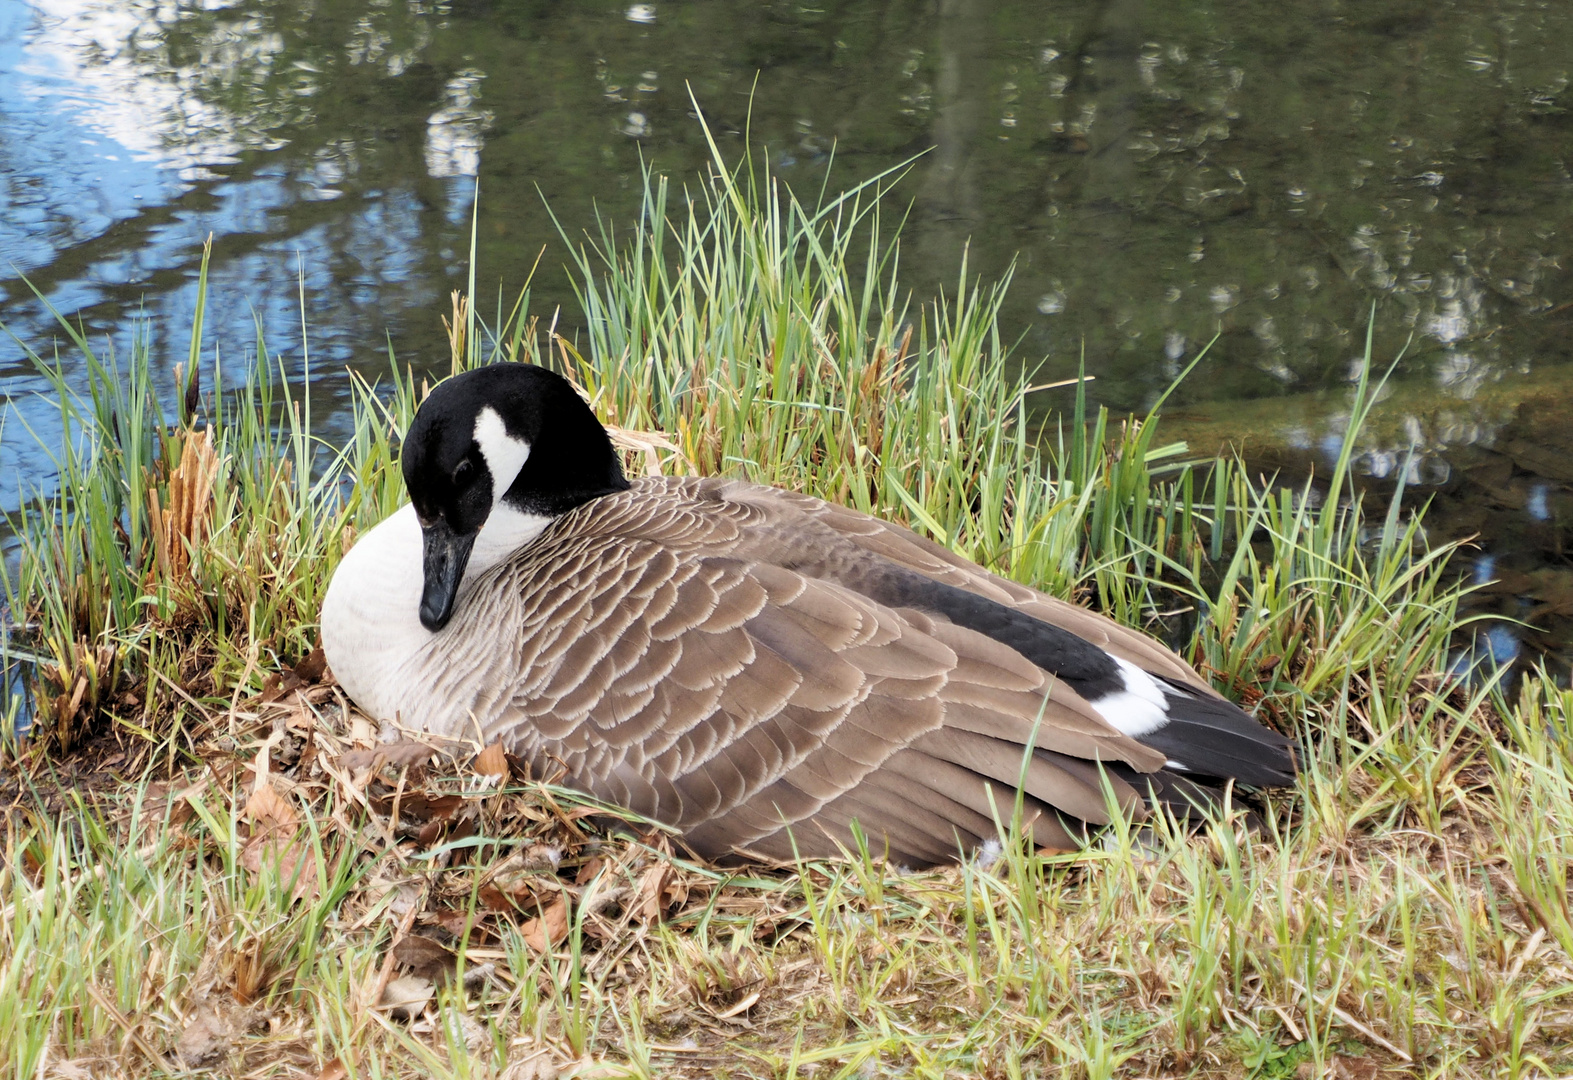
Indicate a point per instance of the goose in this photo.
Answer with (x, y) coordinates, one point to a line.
(763, 671)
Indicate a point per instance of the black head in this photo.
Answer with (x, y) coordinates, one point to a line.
(508, 434)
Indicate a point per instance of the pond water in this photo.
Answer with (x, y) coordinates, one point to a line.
(1159, 173)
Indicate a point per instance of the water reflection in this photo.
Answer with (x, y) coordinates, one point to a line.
(1167, 173)
(1495, 468)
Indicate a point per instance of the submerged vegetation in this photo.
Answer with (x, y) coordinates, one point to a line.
(236, 883)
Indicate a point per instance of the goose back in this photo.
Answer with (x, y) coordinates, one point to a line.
(761, 670)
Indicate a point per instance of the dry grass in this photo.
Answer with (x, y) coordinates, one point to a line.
(301, 907)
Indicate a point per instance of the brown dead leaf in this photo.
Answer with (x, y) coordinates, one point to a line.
(516, 893)
(308, 754)
(268, 808)
(418, 806)
(333, 1070)
(509, 896)
(204, 1040)
(405, 998)
(460, 923)
(310, 669)
(398, 754)
(1353, 1068)
(300, 720)
(491, 761)
(271, 847)
(516, 883)
(660, 889)
(513, 882)
(592, 866)
(426, 958)
(169, 799)
(537, 1065)
(549, 929)
(272, 688)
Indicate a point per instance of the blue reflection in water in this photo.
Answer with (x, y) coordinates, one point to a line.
(1501, 644)
(1485, 569)
(107, 166)
(1536, 506)
(68, 173)
(364, 266)
(1332, 445)
(1493, 649)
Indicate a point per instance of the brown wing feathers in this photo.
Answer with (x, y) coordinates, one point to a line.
(914, 552)
(681, 659)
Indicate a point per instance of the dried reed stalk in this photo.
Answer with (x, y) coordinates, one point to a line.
(180, 526)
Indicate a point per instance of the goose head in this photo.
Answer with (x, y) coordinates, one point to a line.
(502, 451)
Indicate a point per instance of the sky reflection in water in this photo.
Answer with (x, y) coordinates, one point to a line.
(1160, 174)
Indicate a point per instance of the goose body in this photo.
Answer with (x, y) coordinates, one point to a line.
(758, 668)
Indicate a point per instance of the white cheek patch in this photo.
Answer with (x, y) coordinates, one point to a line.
(504, 454)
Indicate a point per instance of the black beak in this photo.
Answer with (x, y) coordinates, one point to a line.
(447, 554)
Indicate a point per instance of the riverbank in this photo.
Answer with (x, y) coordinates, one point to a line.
(208, 867)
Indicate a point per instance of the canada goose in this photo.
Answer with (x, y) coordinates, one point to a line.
(756, 668)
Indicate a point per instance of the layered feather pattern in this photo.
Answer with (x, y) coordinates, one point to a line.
(762, 669)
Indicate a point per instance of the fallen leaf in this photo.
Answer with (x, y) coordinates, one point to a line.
(418, 806)
(549, 928)
(405, 998)
(491, 761)
(592, 866)
(300, 720)
(537, 1065)
(267, 807)
(426, 958)
(204, 1040)
(269, 847)
(459, 923)
(1352, 1068)
(398, 754)
(516, 894)
(660, 889)
(167, 799)
(406, 895)
(310, 669)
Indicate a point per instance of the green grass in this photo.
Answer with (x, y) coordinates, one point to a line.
(1404, 910)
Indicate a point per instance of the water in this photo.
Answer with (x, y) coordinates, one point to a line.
(1159, 173)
